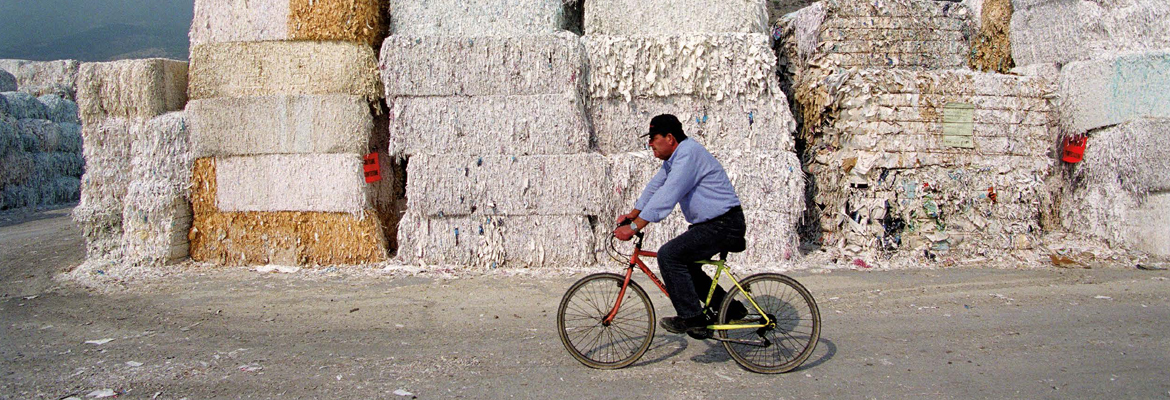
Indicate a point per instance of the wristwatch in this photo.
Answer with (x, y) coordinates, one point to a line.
(634, 226)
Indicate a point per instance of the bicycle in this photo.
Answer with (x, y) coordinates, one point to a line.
(603, 326)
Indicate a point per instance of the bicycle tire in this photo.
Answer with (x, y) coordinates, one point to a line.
(795, 333)
(600, 346)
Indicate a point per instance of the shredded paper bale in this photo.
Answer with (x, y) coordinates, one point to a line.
(475, 66)
(283, 237)
(21, 105)
(489, 125)
(1110, 91)
(485, 241)
(703, 65)
(280, 124)
(104, 185)
(1075, 30)
(59, 109)
(44, 77)
(1120, 190)
(136, 89)
(656, 17)
(931, 161)
(906, 34)
(218, 21)
(7, 81)
(459, 185)
(243, 69)
(157, 212)
(293, 182)
(733, 123)
(478, 18)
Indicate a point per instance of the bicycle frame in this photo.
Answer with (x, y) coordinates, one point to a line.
(720, 269)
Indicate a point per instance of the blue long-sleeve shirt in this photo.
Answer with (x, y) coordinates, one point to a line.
(691, 178)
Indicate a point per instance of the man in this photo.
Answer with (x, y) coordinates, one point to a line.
(692, 178)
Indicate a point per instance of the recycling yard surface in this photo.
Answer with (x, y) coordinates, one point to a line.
(218, 332)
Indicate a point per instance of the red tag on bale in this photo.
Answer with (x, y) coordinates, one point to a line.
(1074, 149)
(373, 169)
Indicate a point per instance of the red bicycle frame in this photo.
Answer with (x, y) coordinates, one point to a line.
(635, 261)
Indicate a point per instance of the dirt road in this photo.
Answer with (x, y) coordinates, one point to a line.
(236, 333)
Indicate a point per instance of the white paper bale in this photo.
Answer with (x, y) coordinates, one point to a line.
(497, 241)
(107, 168)
(157, 213)
(703, 65)
(1077, 30)
(293, 182)
(44, 77)
(906, 34)
(734, 123)
(489, 125)
(1111, 91)
(476, 18)
(22, 105)
(7, 82)
(217, 21)
(280, 124)
(448, 66)
(242, 69)
(131, 88)
(60, 109)
(457, 185)
(620, 17)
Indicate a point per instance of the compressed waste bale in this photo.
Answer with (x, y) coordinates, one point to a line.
(70, 138)
(619, 17)
(103, 186)
(293, 182)
(449, 66)
(477, 18)
(218, 21)
(1064, 31)
(906, 34)
(457, 185)
(136, 89)
(733, 123)
(283, 237)
(484, 241)
(20, 105)
(704, 65)
(930, 161)
(157, 214)
(243, 69)
(1111, 91)
(991, 46)
(9, 137)
(489, 125)
(280, 124)
(60, 109)
(1122, 184)
(16, 166)
(44, 77)
(46, 133)
(7, 82)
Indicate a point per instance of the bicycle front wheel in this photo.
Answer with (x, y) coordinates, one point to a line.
(793, 334)
(586, 335)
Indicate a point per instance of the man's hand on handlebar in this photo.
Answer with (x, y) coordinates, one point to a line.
(623, 232)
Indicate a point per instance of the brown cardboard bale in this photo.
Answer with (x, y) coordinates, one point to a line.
(219, 21)
(284, 237)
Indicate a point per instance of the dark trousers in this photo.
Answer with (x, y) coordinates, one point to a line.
(685, 281)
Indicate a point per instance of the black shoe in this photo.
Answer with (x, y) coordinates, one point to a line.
(678, 324)
(736, 311)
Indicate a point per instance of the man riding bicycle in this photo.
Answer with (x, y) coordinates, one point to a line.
(692, 178)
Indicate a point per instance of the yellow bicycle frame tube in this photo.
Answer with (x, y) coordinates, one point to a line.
(720, 269)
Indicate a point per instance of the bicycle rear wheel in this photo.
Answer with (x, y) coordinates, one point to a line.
(783, 345)
(595, 343)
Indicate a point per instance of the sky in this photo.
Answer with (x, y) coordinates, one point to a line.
(29, 22)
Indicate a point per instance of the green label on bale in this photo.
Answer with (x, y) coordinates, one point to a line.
(959, 125)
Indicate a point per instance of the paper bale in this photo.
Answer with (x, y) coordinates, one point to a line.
(1110, 91)
(486, 242)
(280, 124)
(136, 89)
(219, 21)
(477, 18)
(244, 69)
(619, 17)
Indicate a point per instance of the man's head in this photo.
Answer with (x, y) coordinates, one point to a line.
(664, 135)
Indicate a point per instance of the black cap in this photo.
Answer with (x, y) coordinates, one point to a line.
(663, 124)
